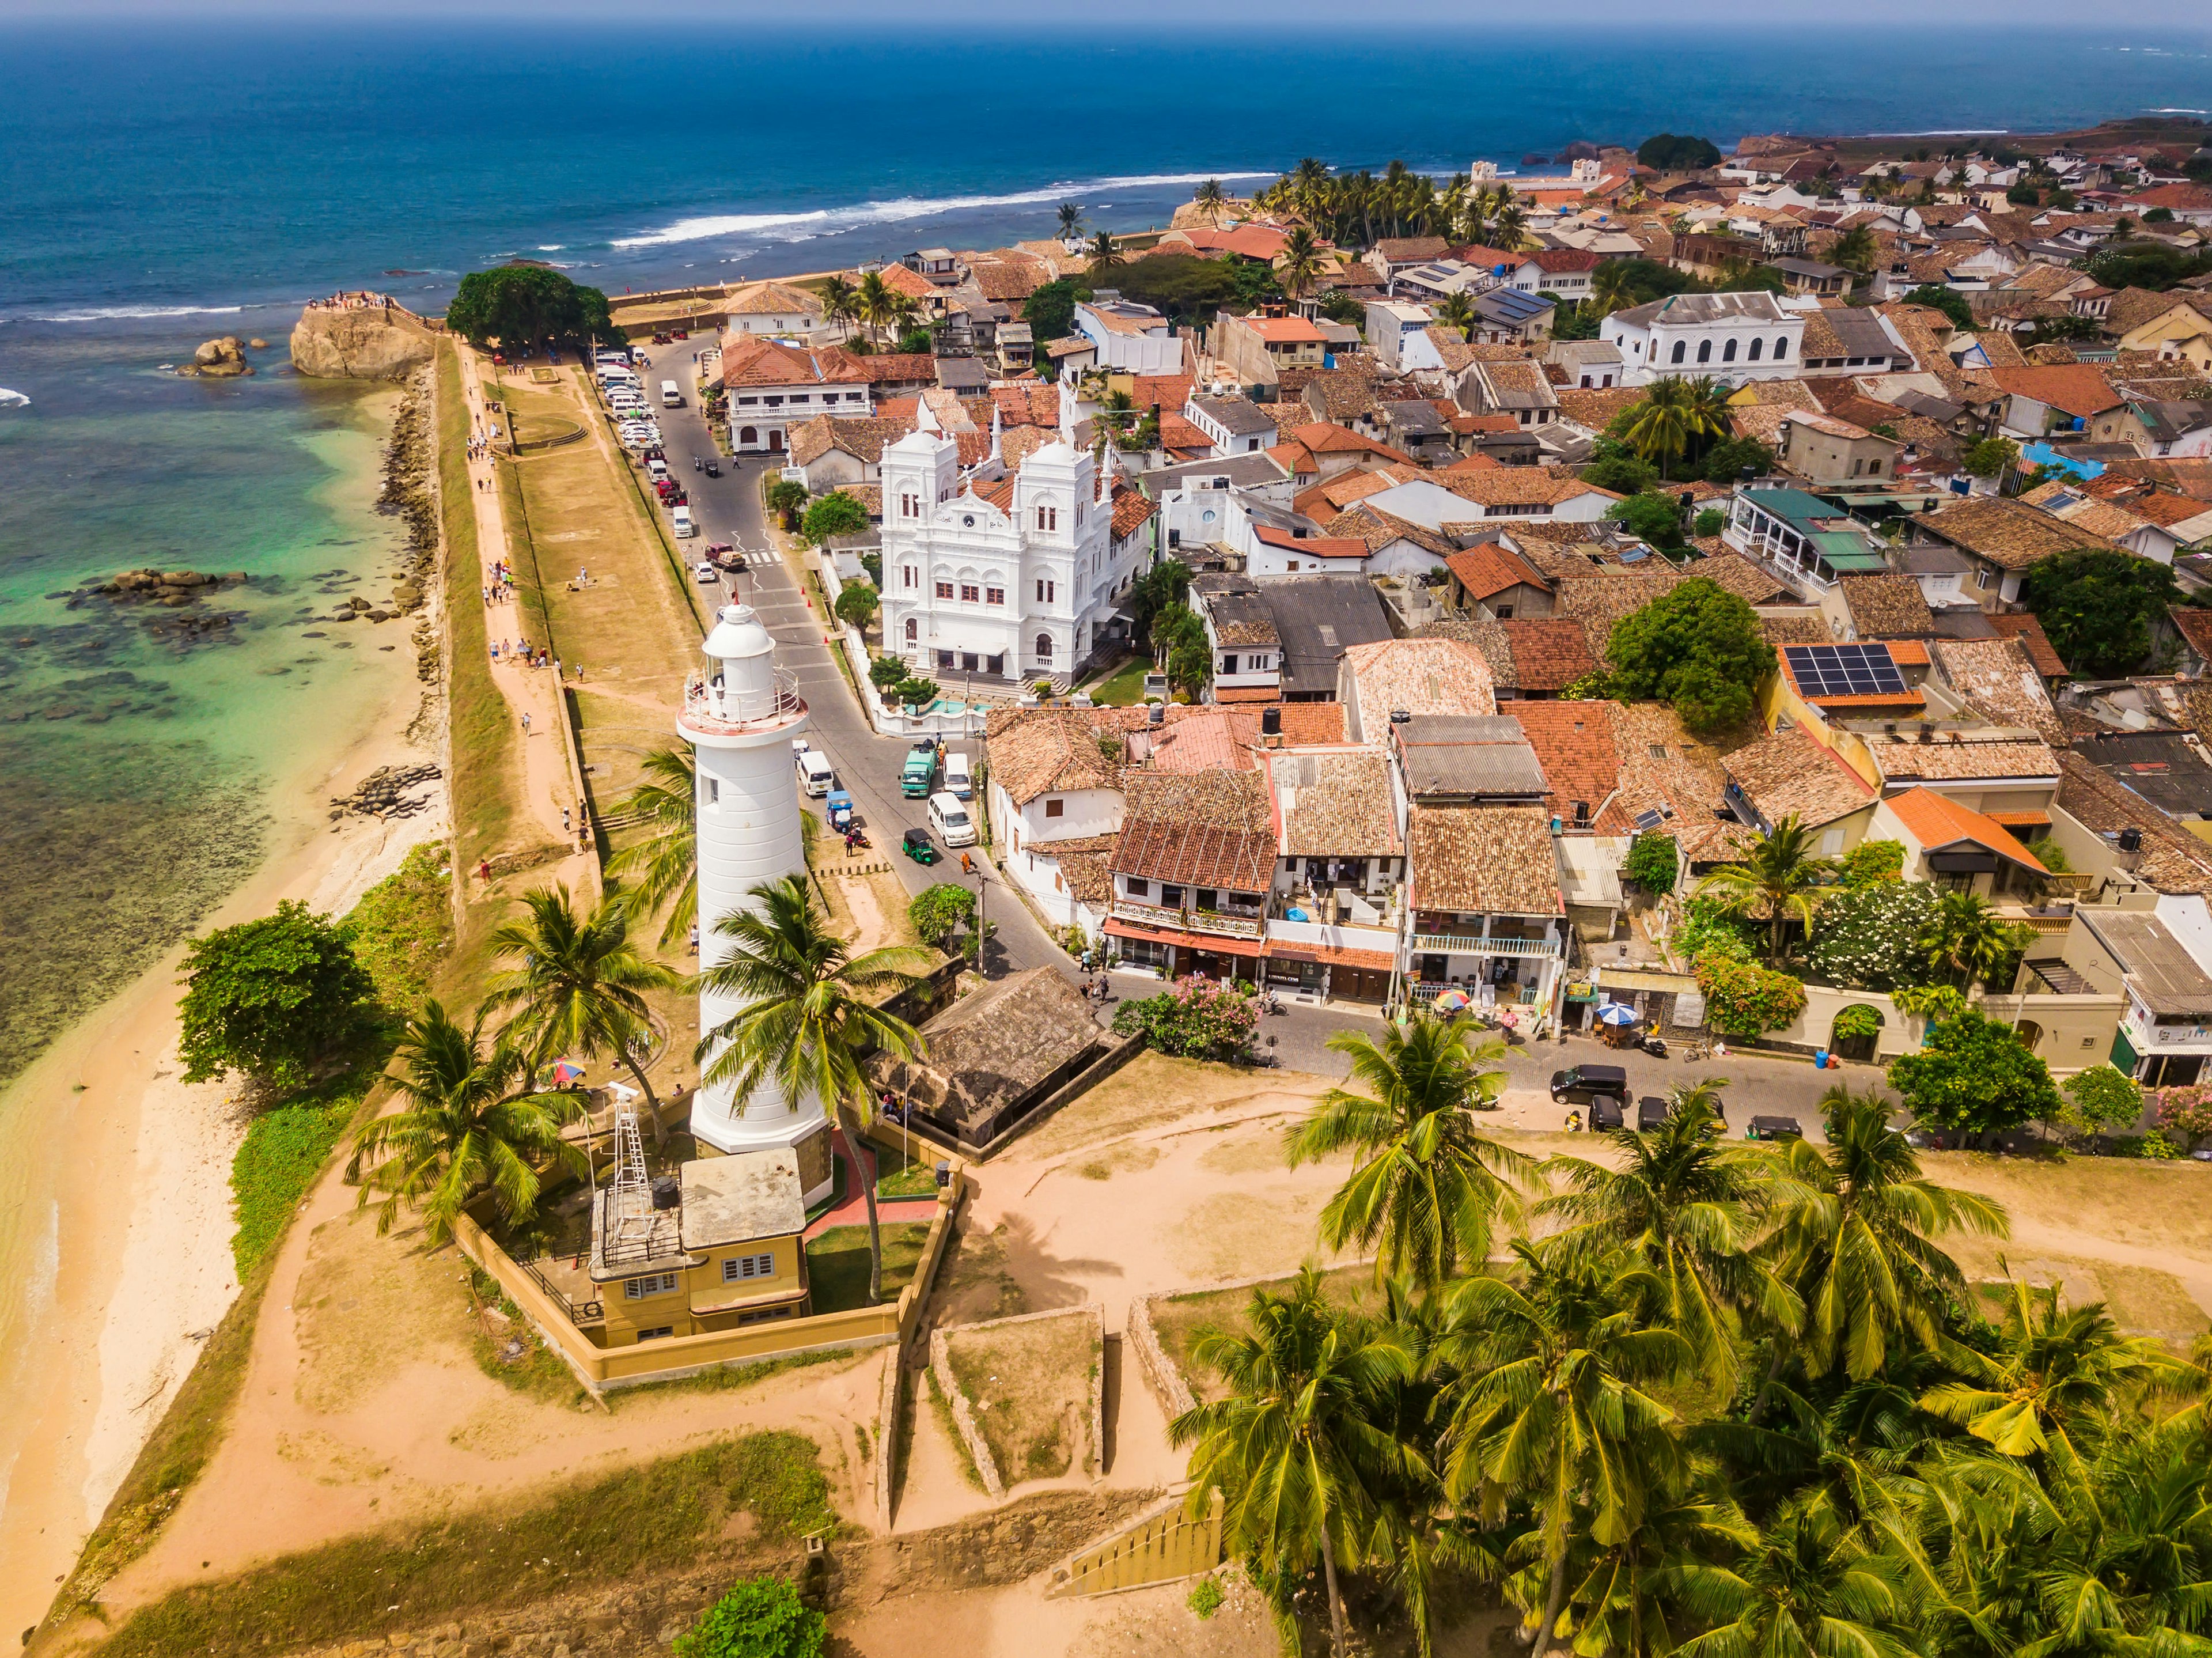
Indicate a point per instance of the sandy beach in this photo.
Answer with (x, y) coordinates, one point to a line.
(124, 1170)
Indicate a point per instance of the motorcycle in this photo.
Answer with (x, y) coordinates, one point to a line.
(1653, 1046)
(856, 839)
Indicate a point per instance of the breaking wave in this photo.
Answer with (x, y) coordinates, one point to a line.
(817, 221)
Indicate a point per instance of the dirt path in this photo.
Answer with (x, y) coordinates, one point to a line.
(550, 781)
(364, 1404)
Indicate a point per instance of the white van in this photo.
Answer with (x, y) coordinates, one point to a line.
(656, 469)
(958, 781)
(686, 525)
(670, 397)
(950, 820)
(817, 776)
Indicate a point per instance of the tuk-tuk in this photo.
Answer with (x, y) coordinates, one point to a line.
(840, 810)
(916, 845)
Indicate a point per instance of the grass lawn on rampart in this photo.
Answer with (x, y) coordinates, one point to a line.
(838, 1263)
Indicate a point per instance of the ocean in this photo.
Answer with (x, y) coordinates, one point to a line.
(160, 186)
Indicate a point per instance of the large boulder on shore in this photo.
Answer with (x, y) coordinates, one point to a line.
(218, 360)
(370, 343)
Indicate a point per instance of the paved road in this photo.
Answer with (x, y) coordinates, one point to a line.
(729, 509)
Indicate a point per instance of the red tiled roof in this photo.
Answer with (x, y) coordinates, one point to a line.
(1195, 854)
(1936, 820)
(2029, 632)
(2078, 388)
(1316, 546)
(1490, 568)
(1549, 653)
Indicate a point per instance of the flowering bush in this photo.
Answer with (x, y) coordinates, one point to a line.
(1198, 1019)
(1743, 998)
(1872, 863)
(2102, 1100)
(2183, 1114)
(1869, 936)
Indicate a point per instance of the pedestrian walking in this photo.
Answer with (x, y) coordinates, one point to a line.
(565, 824)
(525, 722)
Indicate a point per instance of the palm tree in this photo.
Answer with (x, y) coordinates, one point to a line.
(1854, 250)
(663, 868)
(1708, 409)
(1550, 1404)
(1427, 1185)
(1295, 1446)
(1690, 1207)
(2054, 1379)
(840, 301)
(1456, 311)
(1210, 199)
(1659, 428)
(1299, 262)
(1309, 186)
(1777, 879)
(1611, 286)
(1967, 941)
(1103, 254)
(1808, 1586)
(1509, 223)
(470, 1124)
(1071, 220)
(1856, 1239)
(579, 986)
(808, 1020)
(875, 302)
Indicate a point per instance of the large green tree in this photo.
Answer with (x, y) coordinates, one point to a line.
(2097, 605)
(525, 307)
(1697, 648)
(811, 1010)
(1426, 1185)
(1050, 309)
(273, 997)
(1973, 1076)
(1669, 152)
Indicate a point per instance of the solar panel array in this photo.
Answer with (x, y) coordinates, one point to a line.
(1843, 670)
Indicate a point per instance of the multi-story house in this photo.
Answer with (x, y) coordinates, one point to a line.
(1335, 909)
(1736, 336)
(1009, 577)
(1484, 915)
(1192, 869)
(1256, 350)
(1133, 338)
(772, 387)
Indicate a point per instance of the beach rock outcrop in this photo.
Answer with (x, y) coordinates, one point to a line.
(362, 342)
(222, 359)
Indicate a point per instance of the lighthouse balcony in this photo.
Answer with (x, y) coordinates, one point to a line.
(716, 709)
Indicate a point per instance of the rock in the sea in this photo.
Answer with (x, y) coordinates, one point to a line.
(368, 343)
(218, 360)
(257, 345)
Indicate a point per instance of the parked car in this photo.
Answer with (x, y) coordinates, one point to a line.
(705, 574)
(958, 779)
(1651, 1113)
(1774, 1129)
(1580, 1084)
(1605, 1112)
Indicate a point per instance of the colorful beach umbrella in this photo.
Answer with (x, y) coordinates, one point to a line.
(1617, 1013)
(565, 1072)
(1452, 1001)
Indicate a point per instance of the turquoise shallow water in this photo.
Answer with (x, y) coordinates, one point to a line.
(138, 773)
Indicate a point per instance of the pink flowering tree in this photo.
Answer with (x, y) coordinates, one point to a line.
(1197, 1019)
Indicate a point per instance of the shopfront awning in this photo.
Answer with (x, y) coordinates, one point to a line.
(1375, 961)
(1206, 942)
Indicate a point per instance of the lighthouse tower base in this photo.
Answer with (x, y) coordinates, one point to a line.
(806, 1134)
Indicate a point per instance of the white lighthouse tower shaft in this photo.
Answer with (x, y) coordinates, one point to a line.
(739, 724)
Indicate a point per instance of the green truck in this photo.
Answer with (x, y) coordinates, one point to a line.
(920, 773)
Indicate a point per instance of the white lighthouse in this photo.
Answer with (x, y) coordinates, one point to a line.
(739, 724)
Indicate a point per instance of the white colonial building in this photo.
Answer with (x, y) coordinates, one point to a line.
(1731, 337)
(1009, 577)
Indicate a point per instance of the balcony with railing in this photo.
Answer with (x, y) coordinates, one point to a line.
(1227, 921)
(714, 709)
(1456, 943)
(570, 1288)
